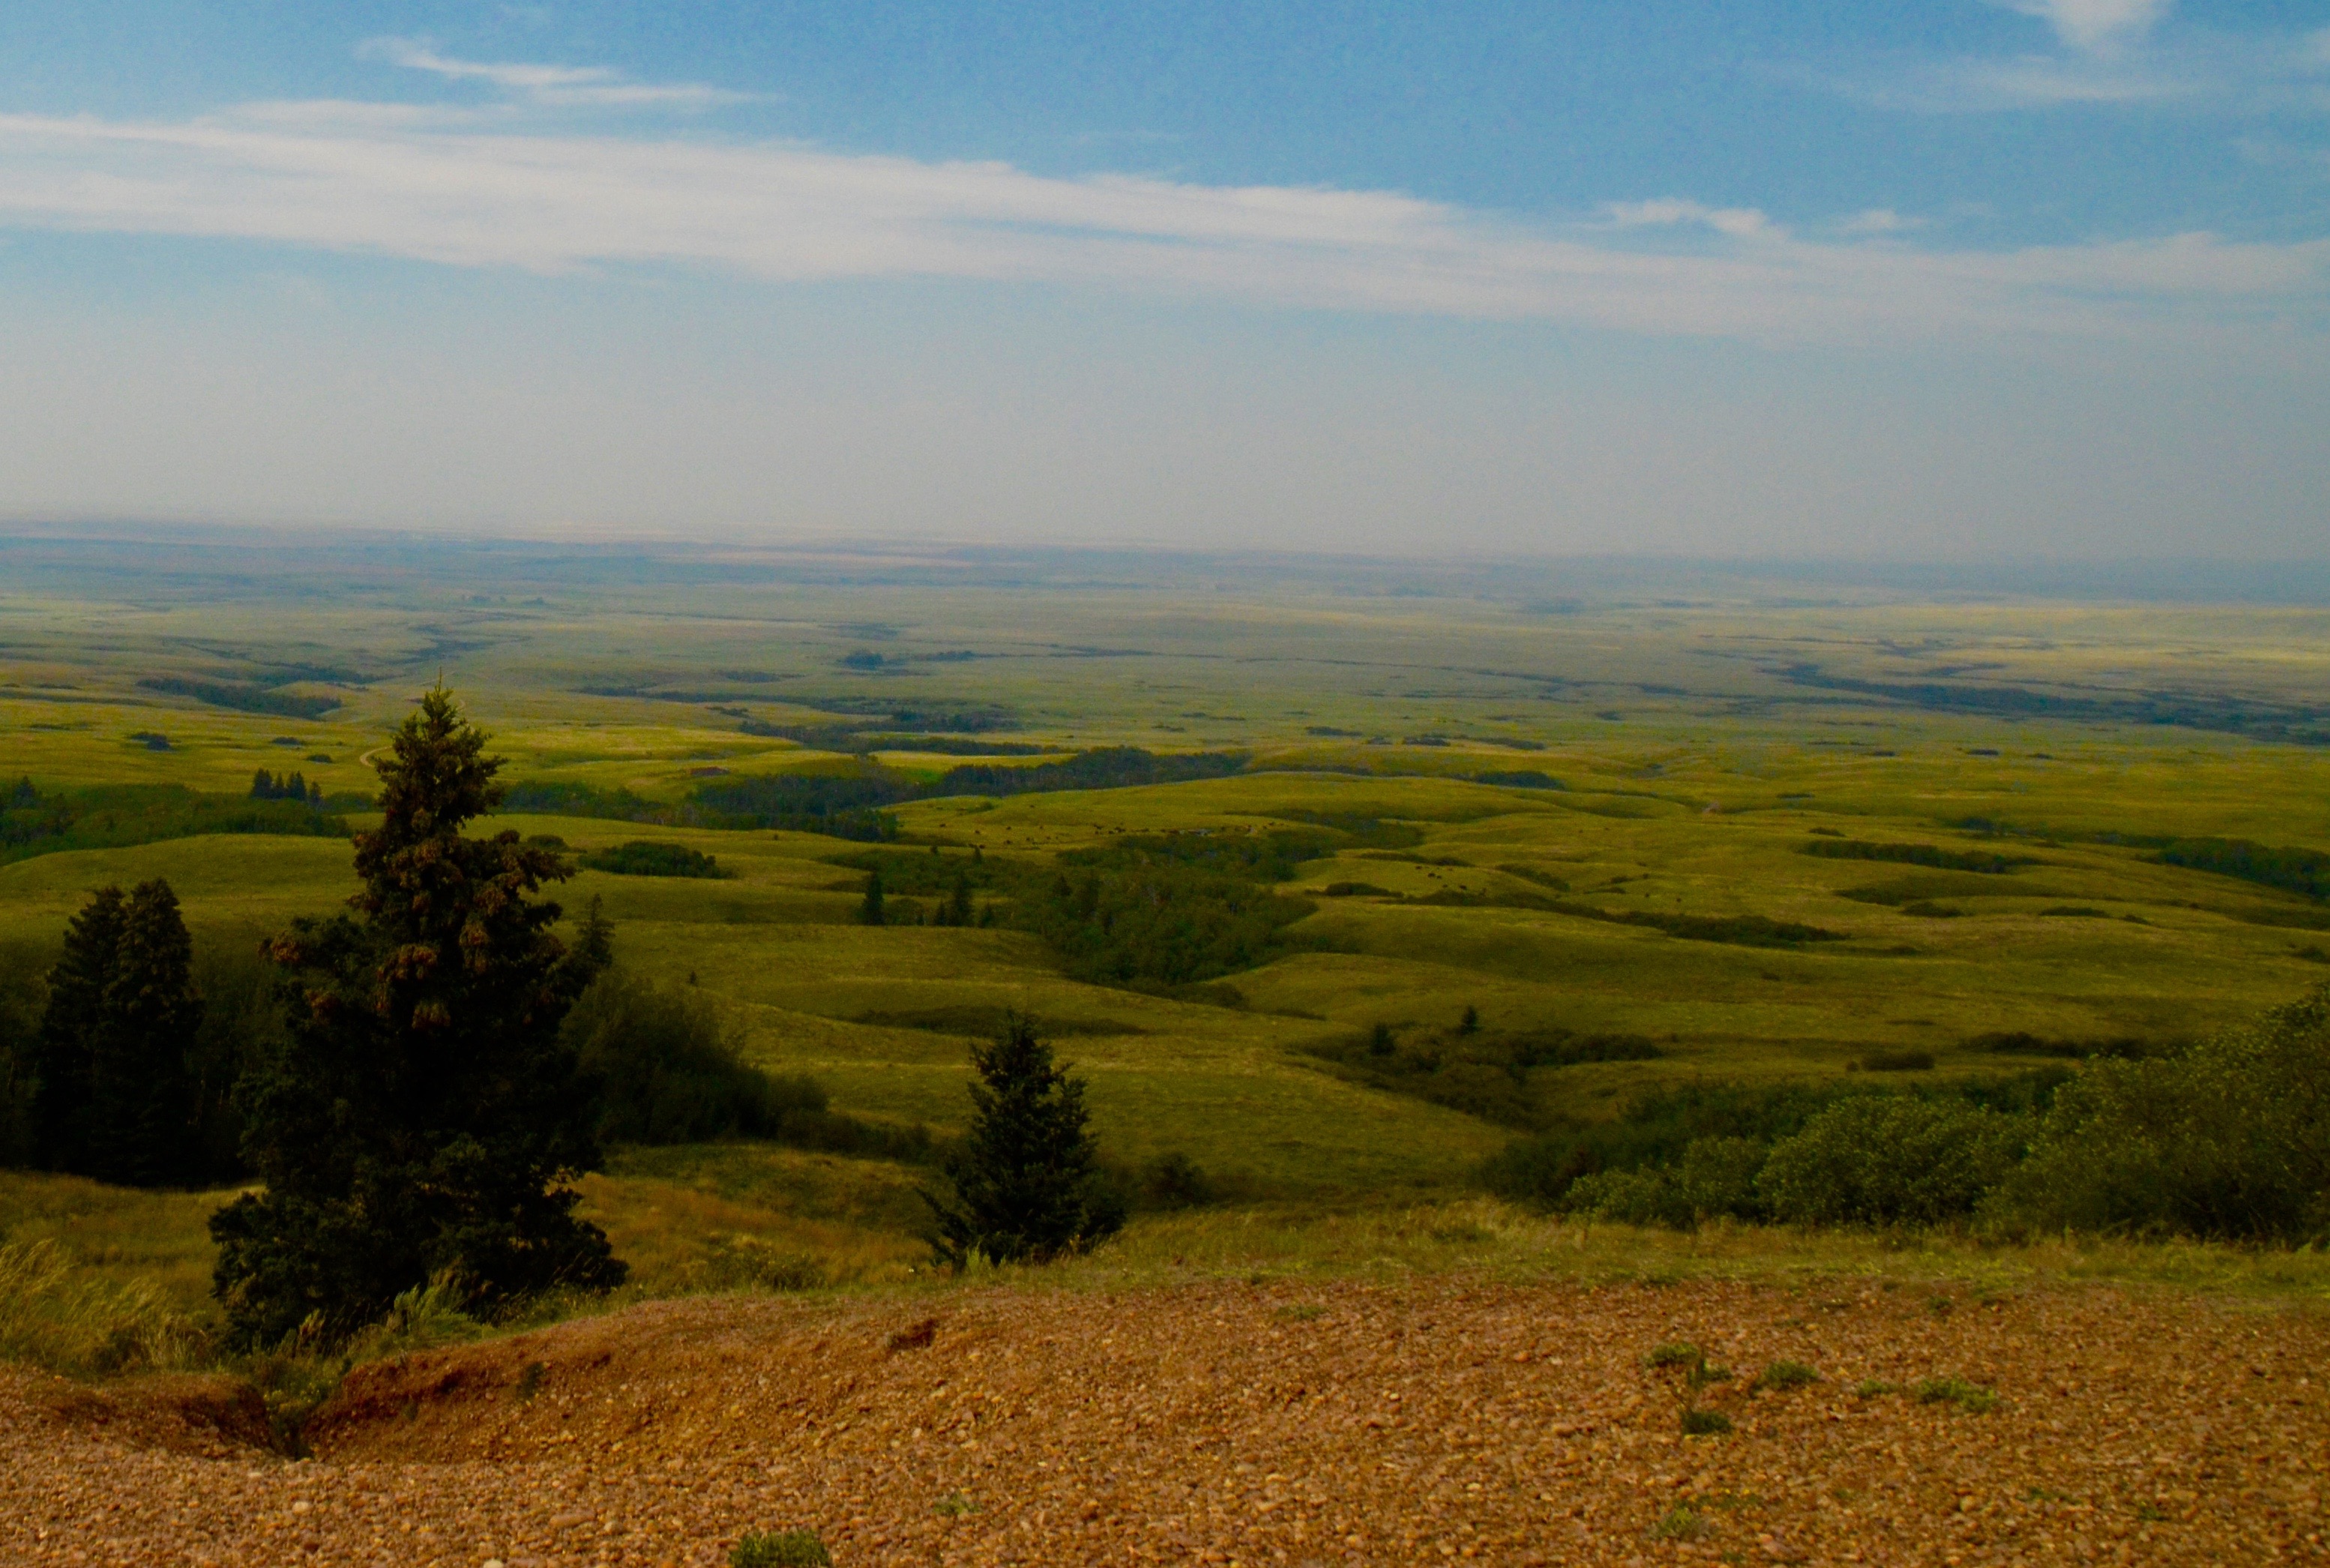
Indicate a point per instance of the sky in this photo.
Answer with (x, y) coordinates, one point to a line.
(1956, 279)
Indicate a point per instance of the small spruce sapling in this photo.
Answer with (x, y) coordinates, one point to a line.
(1027, 1186)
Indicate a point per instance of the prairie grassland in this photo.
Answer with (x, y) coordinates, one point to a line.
(1702, 739)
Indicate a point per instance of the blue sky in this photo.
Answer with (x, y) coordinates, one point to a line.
(1967, 278)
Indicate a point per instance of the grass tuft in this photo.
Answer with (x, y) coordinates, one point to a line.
(57, 1316)
(1785, 1375)
(1974, 1398)
(779, 1549)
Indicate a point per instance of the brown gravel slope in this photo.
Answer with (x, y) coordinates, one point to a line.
(1222, 1423)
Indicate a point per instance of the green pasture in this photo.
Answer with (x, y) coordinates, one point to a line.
(1696, 765)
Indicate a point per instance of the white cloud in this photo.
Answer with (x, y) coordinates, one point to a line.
(480, 192)
(564, 86)
(2259, 72)
(2096, 24)
(1739, 223)
(1879, 221)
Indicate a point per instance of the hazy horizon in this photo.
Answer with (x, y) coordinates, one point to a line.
(1999, 278)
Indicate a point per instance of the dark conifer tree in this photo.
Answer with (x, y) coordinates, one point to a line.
(141, 1127)
(870, 912)
(75, 1013)
(1027, 1181)
(122, 1015)
(422, 1114)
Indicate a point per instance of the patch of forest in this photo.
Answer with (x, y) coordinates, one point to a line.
(1984, 862)
(2228, 714)
(34, 822)
(1480, 1071)
(241, 696)
(2301, 871)
(1160, 912)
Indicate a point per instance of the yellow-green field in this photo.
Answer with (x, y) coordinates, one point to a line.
(1697, 768)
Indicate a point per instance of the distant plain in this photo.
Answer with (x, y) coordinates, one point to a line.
(1656, 748)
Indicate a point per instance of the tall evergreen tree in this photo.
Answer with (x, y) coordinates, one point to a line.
(1027, 1178)
(122, 1015)
(75, 1013)
(422, 1114)
(140, 1131)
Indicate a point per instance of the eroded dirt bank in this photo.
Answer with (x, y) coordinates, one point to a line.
(1217, 1423)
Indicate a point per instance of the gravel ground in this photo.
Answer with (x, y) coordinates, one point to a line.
(1222, 1423)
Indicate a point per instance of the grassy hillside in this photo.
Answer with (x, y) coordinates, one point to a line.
(1753, 839)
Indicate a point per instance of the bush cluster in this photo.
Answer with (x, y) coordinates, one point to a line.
(1480, 1071)
(644, 857)
(662, 1069)
(2229, 1140)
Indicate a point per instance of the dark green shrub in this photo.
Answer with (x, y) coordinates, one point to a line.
(2230, 1140)
(1175, 1181)
(1889, 1159)
(1974, 1398)
(1714, 1176)
(1787, 1374)
(661, 1070)
(1652, 1130)
(642, 858)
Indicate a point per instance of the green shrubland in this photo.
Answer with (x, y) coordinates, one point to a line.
(1257, 860)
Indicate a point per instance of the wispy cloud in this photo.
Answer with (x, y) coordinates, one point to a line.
(1879, 221)
(2108, 55)
(2093, 24)
(562, 86)
(356, 178)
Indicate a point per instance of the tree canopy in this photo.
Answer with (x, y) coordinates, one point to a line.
(422, 1113)
(110, 1062)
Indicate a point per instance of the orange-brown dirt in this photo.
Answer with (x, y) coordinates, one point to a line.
(1222, 1423)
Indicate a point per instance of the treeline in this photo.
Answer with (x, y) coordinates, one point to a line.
(1481, 1072)
(2229, 1140)
(265, 785)
(855, 803)
(2302, 871)
(35, 822)
(242, 697)
(1987, 862)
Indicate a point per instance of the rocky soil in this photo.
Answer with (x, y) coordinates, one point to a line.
(1435, 1420)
